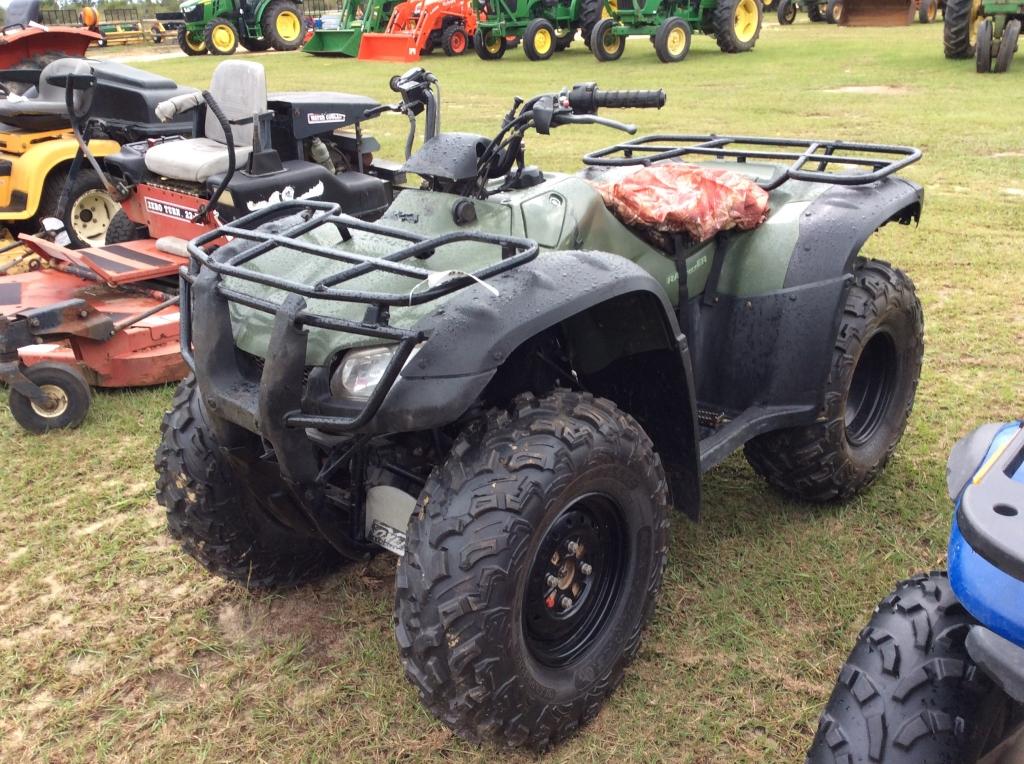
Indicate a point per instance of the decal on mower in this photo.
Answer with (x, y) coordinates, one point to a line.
(319, 119)
(287, 194)
(169, 210)
(390, 538)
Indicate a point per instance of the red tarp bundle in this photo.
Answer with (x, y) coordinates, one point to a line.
(684, 198)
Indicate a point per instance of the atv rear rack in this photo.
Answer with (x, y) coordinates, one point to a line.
(838, 162)
(514, 252)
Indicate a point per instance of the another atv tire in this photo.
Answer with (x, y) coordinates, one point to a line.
(283, 25)
(68, 395)
(89, 207)
(122, 228)
(217, 517)
(909, 692)
(957, 40)
(531, 569)
(192, 44)
(869, 394)
(737, 24)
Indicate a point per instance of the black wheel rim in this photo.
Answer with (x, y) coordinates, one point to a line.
(575, 580)
(871, 389)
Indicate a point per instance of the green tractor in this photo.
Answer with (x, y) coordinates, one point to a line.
(986, 30)
(220, 26)
(543, 27)
(339, 34)
(735, 25)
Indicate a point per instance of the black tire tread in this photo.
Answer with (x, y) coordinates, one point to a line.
(956, 30)
(723, 20)
(122, 228)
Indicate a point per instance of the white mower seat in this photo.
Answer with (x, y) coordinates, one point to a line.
(240, 89)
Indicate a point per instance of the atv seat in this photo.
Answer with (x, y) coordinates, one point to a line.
(240, 89)
(45, 107)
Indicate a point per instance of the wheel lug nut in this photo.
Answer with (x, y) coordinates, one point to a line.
(572, 547)
(551, 581)
(565, 602)
(585, 569)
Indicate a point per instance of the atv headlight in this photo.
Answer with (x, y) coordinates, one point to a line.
(360, 372)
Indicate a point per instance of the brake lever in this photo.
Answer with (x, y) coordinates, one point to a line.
(593, 119)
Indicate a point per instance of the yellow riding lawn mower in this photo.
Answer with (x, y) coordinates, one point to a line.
(71, 103)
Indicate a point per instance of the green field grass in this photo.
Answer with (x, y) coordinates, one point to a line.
(114, 645)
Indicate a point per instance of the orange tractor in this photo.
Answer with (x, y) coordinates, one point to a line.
(417, 27)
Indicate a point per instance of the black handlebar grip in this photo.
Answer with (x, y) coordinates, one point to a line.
(629, 99)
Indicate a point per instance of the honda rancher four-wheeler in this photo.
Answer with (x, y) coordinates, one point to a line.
(509, 385)
(937, 675)
(250, 151)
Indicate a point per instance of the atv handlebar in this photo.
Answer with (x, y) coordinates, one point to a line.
(587, 98)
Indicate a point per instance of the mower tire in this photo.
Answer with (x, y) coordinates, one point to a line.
(605, 45)
(672, 40)
(539, 40)
(489, 47)
(957, 39)
(532, 565)
(737, 24)
(122, 228)
(221, 37)
(67, 391)
(787, 12)
(283, 25)
(909, 692)
(220, 518)
(89, 208)
(455, 41)
(983, 48)
(869, 393)
(1007, 45)
(191, 44)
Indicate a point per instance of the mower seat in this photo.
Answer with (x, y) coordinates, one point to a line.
(44, 107)
(240, 89)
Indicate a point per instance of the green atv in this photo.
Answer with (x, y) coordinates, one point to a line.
(509, 387)
(220, 26)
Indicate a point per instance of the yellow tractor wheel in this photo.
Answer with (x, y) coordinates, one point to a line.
(283, 25)
(221, 37)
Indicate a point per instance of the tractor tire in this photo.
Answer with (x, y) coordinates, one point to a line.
(957, 30)
(983, 49)
(455, 41)
(67, 391)
(531, 568)
(909, 692)
(815, 12)
(283, 25)
(869, 393)
(737, 24)
(564, 38)
(539, 40)
(487, 46)
(591, 12)
(787, 12)
(217, 517)
(89, 210)
(220, 37)
(1007, 45)
(253, 44)
(32, 63)
(122, 228)
(190, 44)
(833, 11)
(672, 40)
(927, 11)
(603, 44)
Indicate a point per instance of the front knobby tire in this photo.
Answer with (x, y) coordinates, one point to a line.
(909, 692)
(869, 393)
(217, 517)
(737, 24)
(484, 633)
(958, 28)
(122, 228)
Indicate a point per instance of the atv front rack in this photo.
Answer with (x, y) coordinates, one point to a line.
(838, 162)
(239, 262)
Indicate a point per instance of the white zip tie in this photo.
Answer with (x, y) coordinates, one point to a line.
(440, 277)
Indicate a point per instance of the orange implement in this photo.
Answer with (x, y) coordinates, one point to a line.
(417, 27)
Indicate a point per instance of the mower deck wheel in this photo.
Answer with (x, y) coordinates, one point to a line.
(606, 45)
(539, 40)
(68, 398)
(191, 43)
(221, 37)
(1007, 45)
(983, 47)
(672, 41)
(488, 46)
(786, 12)
(454, 41)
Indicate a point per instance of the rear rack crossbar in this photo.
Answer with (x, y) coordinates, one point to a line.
(880, 160)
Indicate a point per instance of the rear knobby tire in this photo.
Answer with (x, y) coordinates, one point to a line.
(909, 692)
(283, 25)
(737, 24)
(956, 29)
(869, 393)
(591, 12)
(217, 517)
(474, 627)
